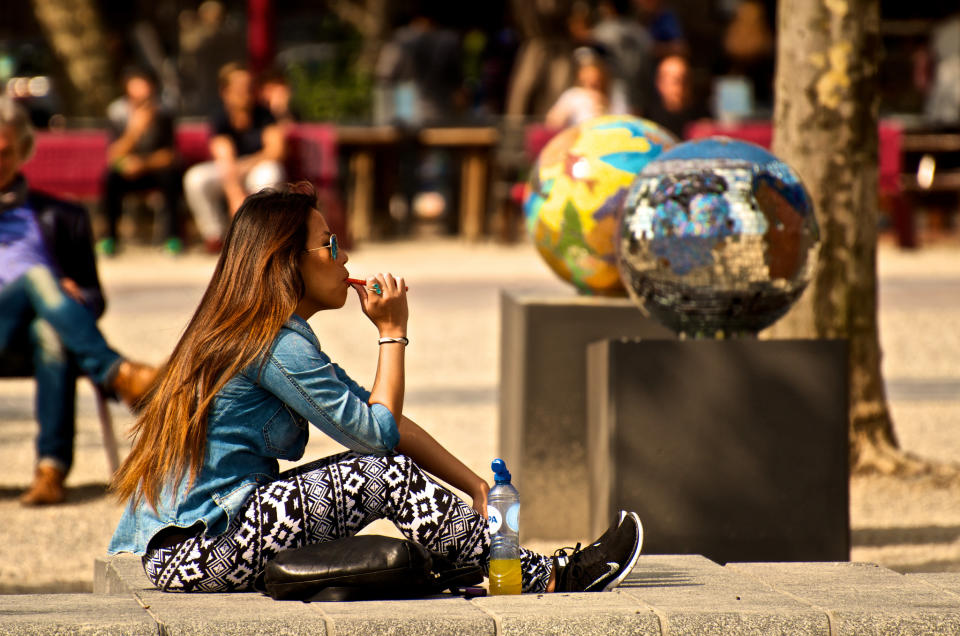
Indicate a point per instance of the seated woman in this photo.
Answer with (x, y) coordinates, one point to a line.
(594, 94)
(208, 507)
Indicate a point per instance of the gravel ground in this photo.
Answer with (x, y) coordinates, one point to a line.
(912, 525)
(452, 369)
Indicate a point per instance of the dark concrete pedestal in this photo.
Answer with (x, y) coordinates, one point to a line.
(733, 449)
(543, 404)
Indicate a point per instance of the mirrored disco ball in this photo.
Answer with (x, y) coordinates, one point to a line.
(717, 237)
(577, 187)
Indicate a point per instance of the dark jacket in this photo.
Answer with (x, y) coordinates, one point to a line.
(66, 231)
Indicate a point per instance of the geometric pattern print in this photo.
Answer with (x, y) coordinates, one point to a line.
(324, 500)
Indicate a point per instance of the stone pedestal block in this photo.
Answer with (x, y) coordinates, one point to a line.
(543, 416)
(733, 449)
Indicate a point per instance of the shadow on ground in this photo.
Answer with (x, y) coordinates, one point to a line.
(638, 578)
(913, 535)
(75, 494)
(53, 587)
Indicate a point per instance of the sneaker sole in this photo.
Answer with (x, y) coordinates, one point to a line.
(628, 568)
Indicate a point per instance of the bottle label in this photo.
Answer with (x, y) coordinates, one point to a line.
(493, 519)
(513, 517)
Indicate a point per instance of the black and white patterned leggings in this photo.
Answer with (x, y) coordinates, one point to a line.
(324, 500)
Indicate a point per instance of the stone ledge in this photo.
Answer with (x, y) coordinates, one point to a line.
(73, 614)
(694, 595)
(581, 614)
(863, 598)
(685, 594)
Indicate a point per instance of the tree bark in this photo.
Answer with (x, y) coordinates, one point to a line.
(826, 118)
(75, 32)
(369, 18)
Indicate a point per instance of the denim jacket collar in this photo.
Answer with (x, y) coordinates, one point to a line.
(298, 324)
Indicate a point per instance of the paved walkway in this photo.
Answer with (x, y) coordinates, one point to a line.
(663, 595)
(452, 390)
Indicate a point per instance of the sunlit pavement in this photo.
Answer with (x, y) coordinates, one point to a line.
(452, 375)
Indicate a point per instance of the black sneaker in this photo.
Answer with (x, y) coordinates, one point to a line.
(602, 565)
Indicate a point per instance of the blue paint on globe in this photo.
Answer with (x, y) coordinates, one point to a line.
(637, 127)
(720, 148)
(630, 161)
(575, 193)
(717, 236)
(533, 202)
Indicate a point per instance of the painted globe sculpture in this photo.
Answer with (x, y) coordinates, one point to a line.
(717, 237)
(576, 189)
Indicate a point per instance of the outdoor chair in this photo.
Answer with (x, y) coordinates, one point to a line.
(18, 364)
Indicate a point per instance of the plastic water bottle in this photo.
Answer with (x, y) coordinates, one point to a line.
(503, 515)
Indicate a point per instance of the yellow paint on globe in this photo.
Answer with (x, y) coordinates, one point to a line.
(575, 192)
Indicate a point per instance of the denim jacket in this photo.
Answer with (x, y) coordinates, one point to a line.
(257, 418)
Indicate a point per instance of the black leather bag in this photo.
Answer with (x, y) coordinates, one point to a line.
(364, 567)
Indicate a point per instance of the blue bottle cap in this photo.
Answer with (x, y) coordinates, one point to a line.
(500, 473)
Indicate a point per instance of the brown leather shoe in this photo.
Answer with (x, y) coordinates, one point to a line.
(132, 381)
(47, 487)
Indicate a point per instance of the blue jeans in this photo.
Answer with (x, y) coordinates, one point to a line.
(62, 339)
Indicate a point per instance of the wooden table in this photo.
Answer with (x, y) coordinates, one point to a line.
(474, 143)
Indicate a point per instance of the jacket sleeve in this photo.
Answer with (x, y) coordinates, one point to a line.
(307, 381)
(355, 388)
(66, 228)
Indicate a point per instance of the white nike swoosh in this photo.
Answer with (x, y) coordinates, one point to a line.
(613, 570)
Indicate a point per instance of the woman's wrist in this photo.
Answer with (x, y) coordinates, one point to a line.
(479, 486)
(393, 332)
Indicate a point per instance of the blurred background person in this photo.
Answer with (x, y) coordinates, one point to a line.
(592, 95)
(629, 46)
(275, 93)
(141, 157)
(748, 43)
(420, 82)
(50, 299)
(673, 105)
(436, 57)
(208, 38)
(247, 147)
(943, 102)
(664, 27)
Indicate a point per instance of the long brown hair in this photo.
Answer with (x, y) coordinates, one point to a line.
(255, 287)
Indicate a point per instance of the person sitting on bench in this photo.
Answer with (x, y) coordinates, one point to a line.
(141, 157)
(248, 149)
(50, 299)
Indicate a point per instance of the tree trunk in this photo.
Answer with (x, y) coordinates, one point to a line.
(369, 18)
(75, 32)
(826, 128)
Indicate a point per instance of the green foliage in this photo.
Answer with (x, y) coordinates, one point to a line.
(327, 83)
(323, 93)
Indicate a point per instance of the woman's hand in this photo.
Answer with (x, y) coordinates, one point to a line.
(388, 310)
(480, 498)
